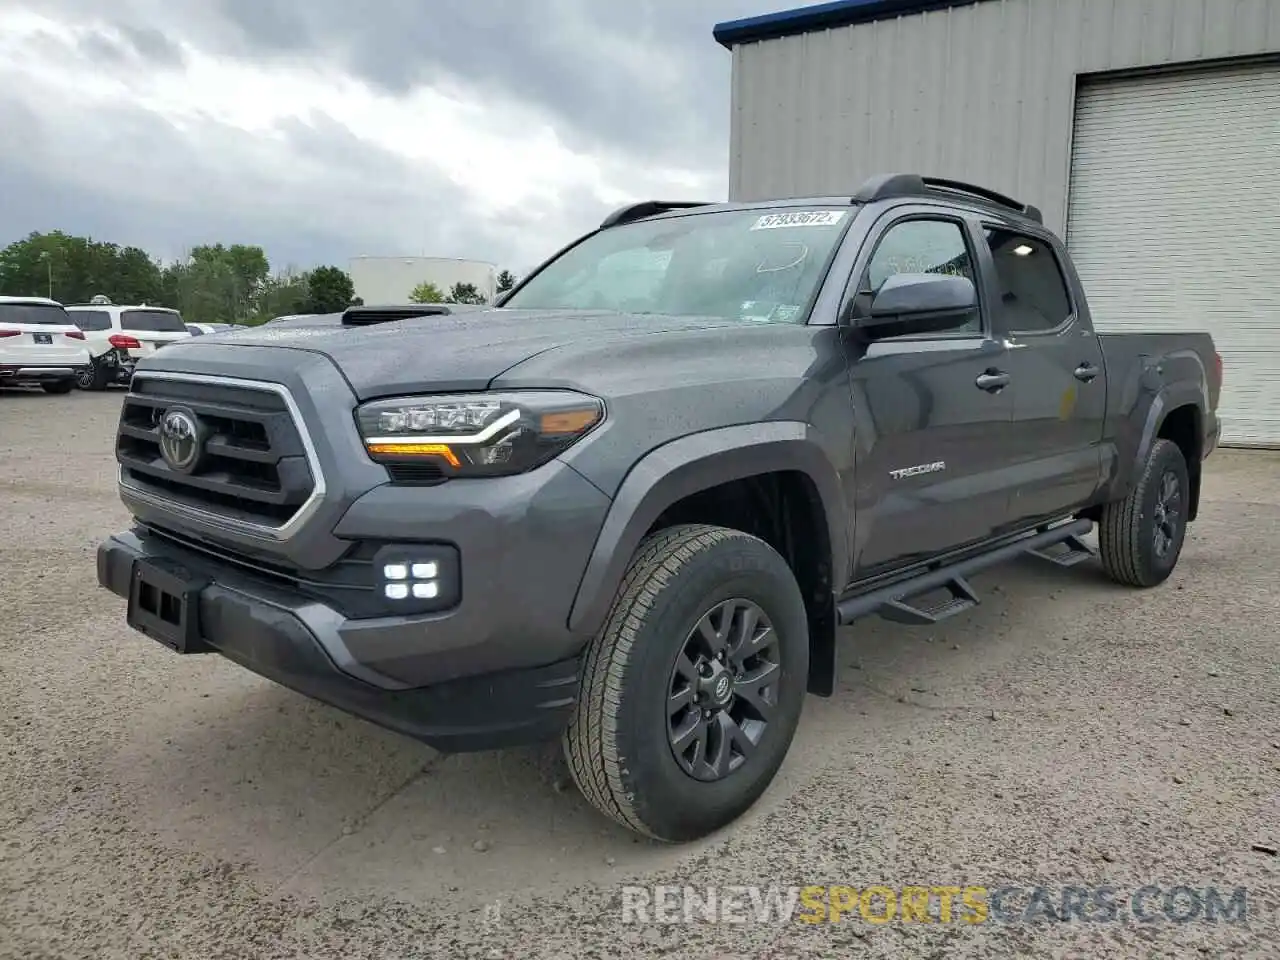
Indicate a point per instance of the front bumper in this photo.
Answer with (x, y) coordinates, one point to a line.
(297, 642)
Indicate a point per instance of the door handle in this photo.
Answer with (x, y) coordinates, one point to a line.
(1086, 372)
(993, 381)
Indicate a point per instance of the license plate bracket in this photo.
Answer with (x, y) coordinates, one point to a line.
(164, 604)
(42, 337)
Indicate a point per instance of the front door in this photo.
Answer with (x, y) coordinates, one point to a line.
(1056, 379)
(931, 417)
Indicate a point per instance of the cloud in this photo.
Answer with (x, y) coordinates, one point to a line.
(488, 129)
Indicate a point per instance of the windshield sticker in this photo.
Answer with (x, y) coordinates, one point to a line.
(801, 218)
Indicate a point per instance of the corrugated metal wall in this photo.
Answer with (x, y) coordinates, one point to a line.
(983, 92)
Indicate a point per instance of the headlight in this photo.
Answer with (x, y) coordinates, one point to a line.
(478, 434)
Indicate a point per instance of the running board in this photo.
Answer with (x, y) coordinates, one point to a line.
(894, 601)
(1074, 550)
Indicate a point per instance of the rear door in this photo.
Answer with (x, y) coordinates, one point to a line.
(153, 328)
(932, 467)
(1058, 385)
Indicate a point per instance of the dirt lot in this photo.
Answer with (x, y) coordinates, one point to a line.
(1067, 733)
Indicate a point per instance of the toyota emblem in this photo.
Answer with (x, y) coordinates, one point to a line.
(722, 688)
(180, 441)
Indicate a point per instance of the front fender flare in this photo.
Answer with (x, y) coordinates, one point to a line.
(686, 466)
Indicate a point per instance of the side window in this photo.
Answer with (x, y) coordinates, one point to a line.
(922, 246)
(1033, 294)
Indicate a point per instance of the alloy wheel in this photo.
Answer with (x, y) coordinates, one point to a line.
(724, 689)
(1167, 513)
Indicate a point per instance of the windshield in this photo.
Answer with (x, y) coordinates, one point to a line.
(33, 313)
(158, 321)
(740, 264)
(91, 319)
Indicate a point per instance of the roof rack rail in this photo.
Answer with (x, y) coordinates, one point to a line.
(885, 186)
(959, 186)
(648, 208)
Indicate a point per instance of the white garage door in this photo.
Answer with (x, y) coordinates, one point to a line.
(1174, 222)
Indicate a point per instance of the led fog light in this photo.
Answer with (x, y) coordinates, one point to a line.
(418, 579)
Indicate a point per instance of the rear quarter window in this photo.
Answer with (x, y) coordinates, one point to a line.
(154, 321)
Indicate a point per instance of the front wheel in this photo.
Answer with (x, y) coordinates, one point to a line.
(93, 377)
(1140, 537)
(58, 386)
(692, 691)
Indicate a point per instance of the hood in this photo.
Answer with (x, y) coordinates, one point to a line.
(462, 351)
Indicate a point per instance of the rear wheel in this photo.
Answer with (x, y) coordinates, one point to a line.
(1141, 536)
(58, 386)
(692, 692)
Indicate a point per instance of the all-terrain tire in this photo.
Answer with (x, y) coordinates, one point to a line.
(617, 743)
(58, 386)
(1127, 532)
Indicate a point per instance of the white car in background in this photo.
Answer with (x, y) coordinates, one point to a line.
(200, 329)
(118, 337)
(39, 343)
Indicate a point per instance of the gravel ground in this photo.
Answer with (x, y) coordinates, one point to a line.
(1066, 733)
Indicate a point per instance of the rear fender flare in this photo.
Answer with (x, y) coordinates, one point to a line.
(1162, 403)
(686, 466)
(1168, 399)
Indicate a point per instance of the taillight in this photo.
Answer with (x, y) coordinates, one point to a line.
(74, 334)
(10, 333)
(121, 342)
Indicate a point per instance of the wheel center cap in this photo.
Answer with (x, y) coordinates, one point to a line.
(717, 687)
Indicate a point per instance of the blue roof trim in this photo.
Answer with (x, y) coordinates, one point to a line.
(824, 16)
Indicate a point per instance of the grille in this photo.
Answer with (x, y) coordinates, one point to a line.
(253, 469)
(348, 586)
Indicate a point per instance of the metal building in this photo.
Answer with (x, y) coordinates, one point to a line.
(392, 279)
(1147, 130)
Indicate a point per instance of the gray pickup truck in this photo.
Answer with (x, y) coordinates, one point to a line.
(629, 507)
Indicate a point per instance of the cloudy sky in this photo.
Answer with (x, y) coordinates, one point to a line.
(323, 129)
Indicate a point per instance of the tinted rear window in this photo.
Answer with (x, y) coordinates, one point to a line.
(33, 313)
(91, 319)
(158, 321)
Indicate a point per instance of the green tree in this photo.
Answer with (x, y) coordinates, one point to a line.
(329, 290)
(505, 281)
(74, 269)
(426, 293)
(137, 278)
(230, 279)
(465, 293)
(281, 295)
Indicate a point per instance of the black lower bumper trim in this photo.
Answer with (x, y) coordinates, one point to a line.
(474, 713)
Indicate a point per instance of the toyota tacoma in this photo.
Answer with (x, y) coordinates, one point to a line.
(630, 506)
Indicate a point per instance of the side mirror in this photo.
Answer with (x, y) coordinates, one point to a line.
(909, 303)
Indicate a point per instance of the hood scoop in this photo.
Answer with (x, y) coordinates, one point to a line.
(368, 316)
